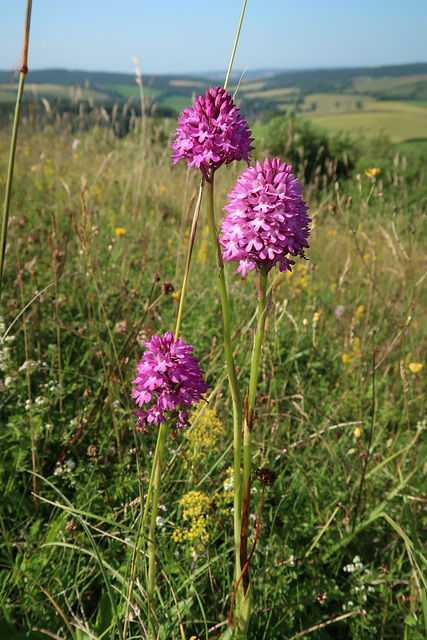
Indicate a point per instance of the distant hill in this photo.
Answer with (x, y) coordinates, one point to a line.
(275, 78)
(263, 93)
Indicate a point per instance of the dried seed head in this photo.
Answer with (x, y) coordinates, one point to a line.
(142, 337)
(121, 327)
(93, 451)
(266, 476)
(156, 277)
(71, 525)
(167, 287)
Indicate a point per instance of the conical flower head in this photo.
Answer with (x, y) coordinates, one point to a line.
(169, 380)
(212, 132)
(267, 219)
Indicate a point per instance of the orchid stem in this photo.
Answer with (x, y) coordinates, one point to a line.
(151, 546)
(232, 375)
(263, 306)
(248, 560)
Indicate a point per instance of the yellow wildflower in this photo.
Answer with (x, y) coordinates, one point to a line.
(373, 173)
(359, 312)
(206, 429)
(299, 276)
(194, 504)
(357, 432)
(119, 231)
(415, 367)
(316, 317)
(348, 358)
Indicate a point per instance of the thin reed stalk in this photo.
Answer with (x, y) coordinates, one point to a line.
(11, 165)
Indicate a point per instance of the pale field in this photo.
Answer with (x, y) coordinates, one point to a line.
(251, 86)
(271, 93)
(399, 120)
(379, 84)
(51, 91)
(332, 103)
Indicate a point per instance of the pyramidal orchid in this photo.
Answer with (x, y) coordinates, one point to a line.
(212, 133)
(267, 221)
(169, 380)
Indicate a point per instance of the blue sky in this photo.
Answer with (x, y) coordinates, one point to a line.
(171, 36)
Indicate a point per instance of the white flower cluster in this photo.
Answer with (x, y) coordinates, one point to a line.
(355, 566)
(5, 356)
(65, 469)
(229, 484)
(31, 364)
(360, 589)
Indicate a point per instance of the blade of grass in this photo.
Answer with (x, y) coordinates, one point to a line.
(94, 546)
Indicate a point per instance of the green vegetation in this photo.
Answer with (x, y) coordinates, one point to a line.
(351, 100)
(97, 212)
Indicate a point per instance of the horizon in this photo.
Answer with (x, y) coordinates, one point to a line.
(212, 73)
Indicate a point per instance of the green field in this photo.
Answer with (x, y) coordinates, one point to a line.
(95, 257)
(96, 250)
(131, 91)
(52, 92)
(403, 85)
(335, 103)
(398, 120)
(387, 100)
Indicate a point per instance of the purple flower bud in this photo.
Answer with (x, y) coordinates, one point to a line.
(170, 378)
(267, 219)
(211, 133)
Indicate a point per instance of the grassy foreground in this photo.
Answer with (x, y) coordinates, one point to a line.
(341, 416)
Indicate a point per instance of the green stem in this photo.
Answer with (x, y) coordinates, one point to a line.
(188, 261)
(235, 45)
(151, 546)
(232, 375)
(9, 179)
(140, 536)
(263, 306)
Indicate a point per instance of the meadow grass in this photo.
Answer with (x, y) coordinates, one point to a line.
(340, 413)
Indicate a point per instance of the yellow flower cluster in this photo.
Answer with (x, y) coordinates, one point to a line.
(205, 432)
(415, 367)
(373, 172)
(349, 358)
(359, 312)
(194, 505)
(299, 276)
